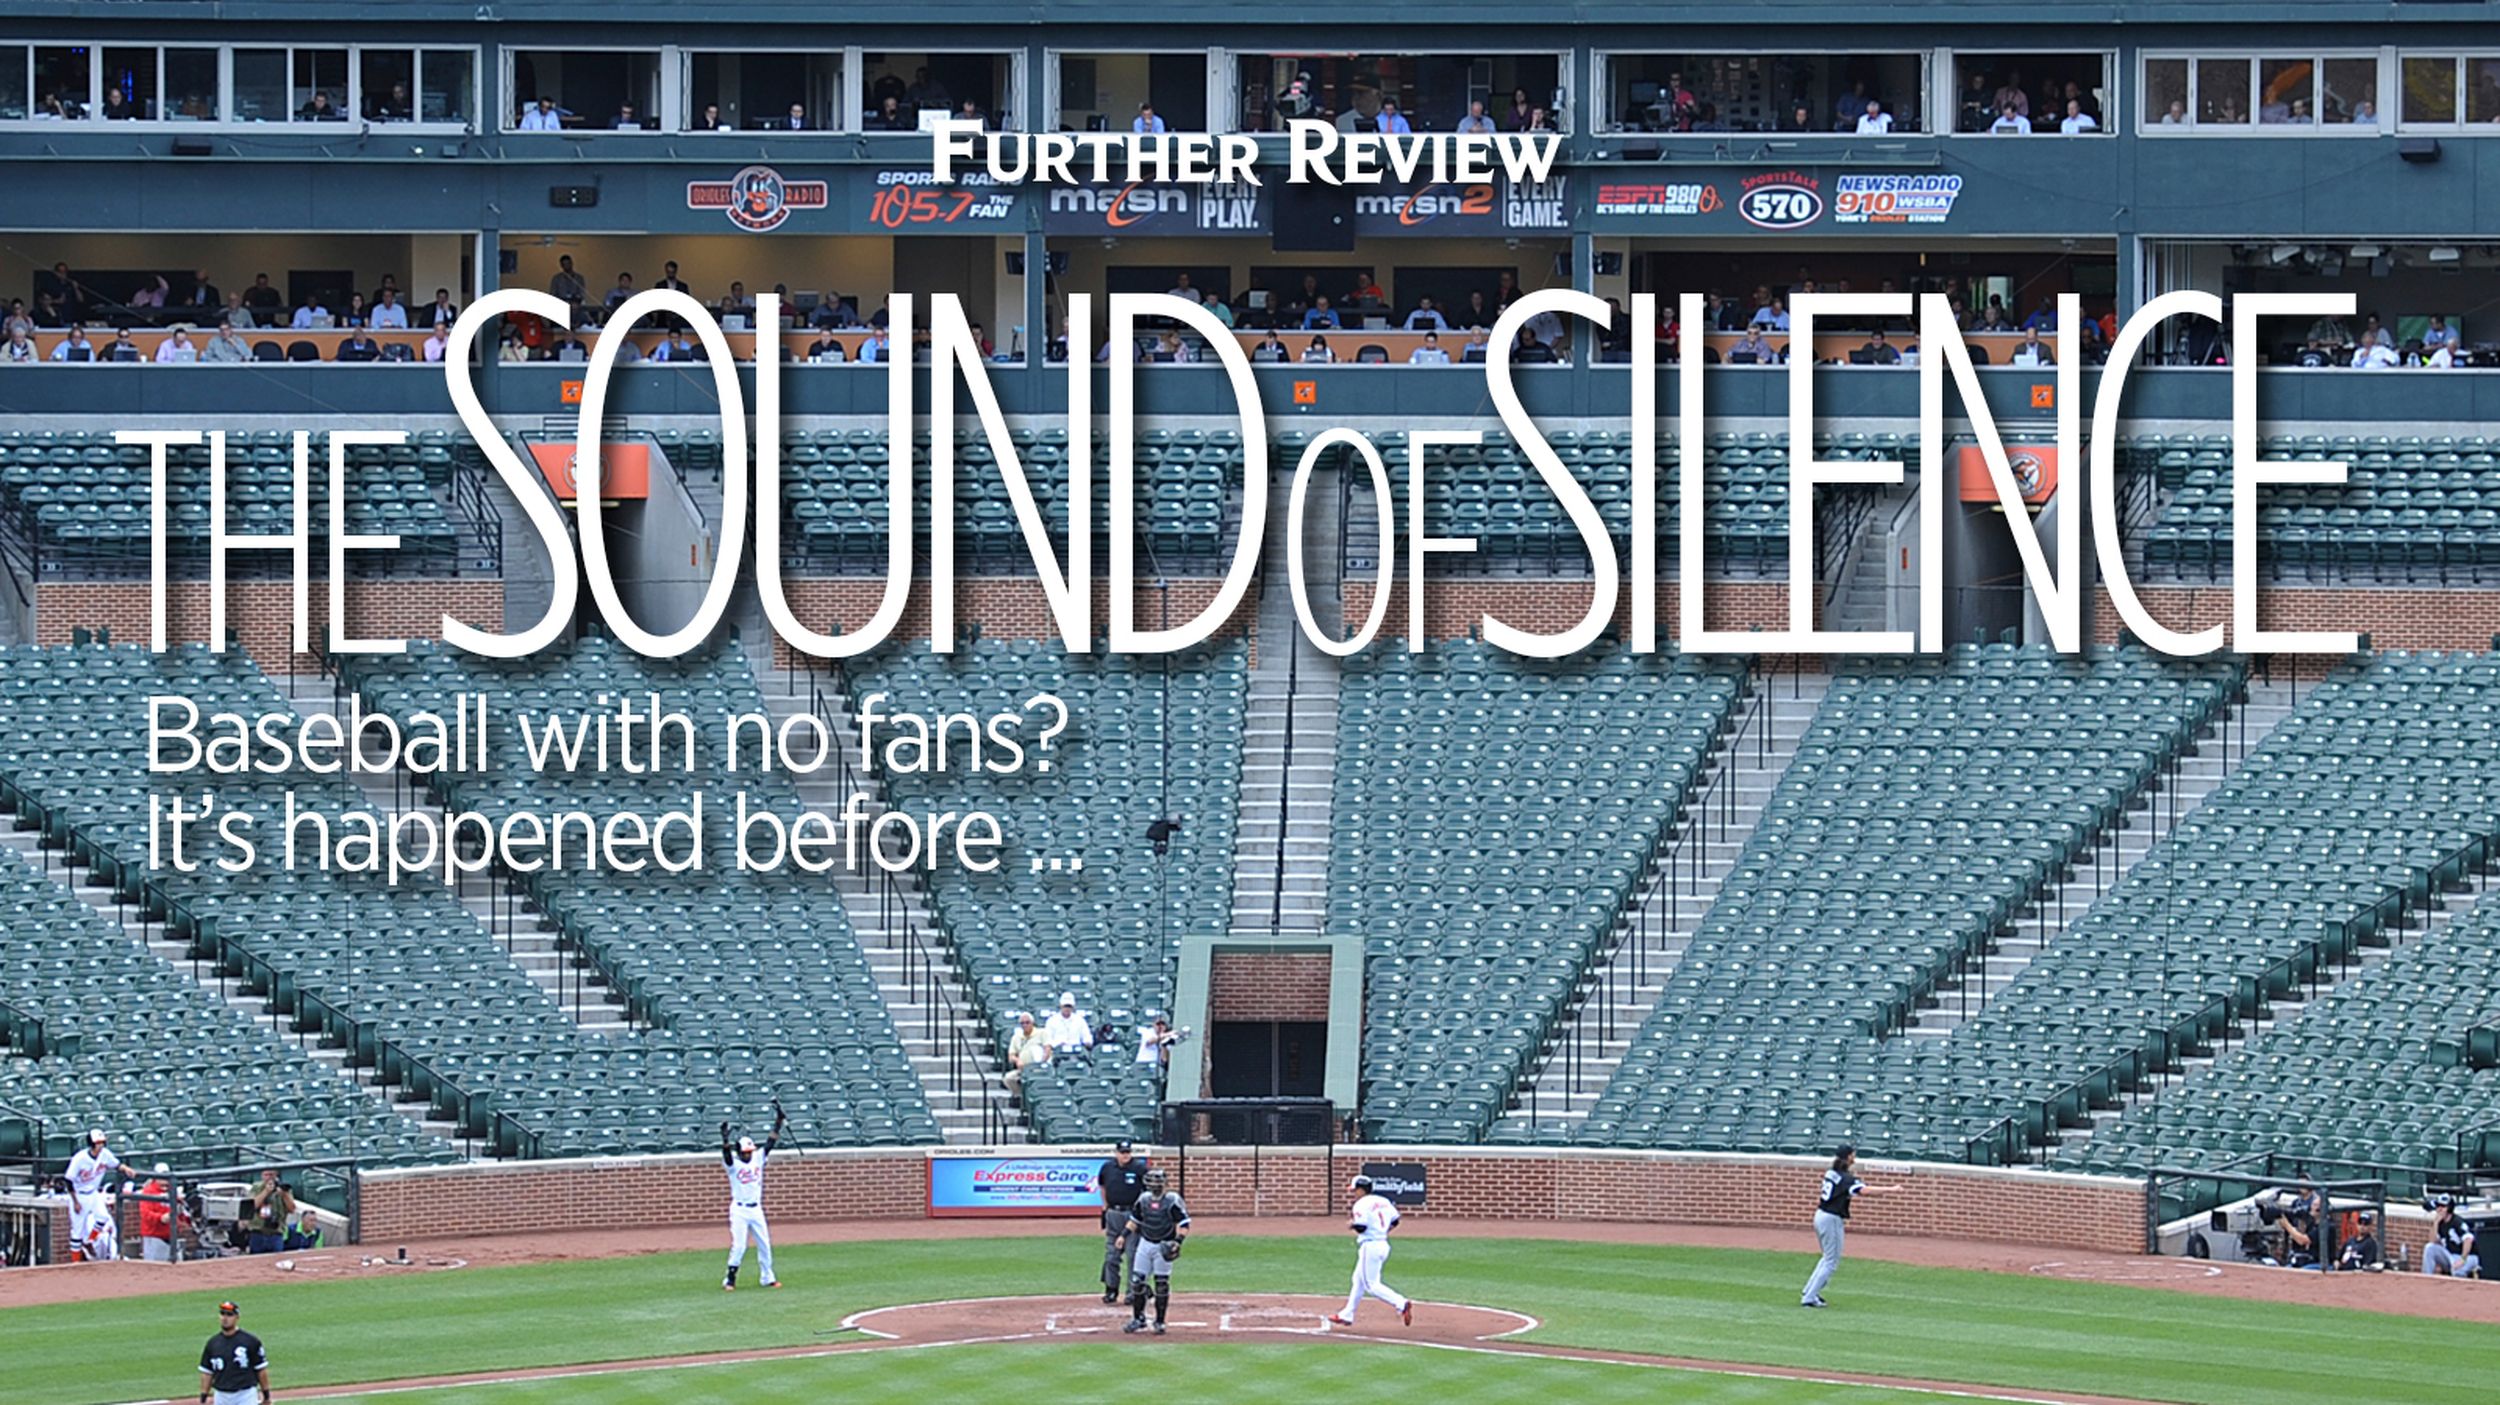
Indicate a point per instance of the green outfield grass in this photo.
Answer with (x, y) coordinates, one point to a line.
(1937, 1324)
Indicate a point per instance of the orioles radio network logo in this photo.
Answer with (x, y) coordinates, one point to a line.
(757, 198)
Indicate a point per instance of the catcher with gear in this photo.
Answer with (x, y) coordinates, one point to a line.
(1159, 1223)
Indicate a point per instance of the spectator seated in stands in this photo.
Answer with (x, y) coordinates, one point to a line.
(1392, 121)
(236, 315)
(176, 349)
(1068, 1031)
(1751, 350)
(2009, 123)
(827, 352)
(678, 348)
(1873, 121)
(2439, 334)
(1475, 122)
(19, 349)
(1877, 351)
(1170, 348)
(388, 314)
(626, 120)
(2361, 1253)
(75, 346)
(2043, 318)
(320, 109)
(359, 346)
(305, 1233)
(542, 116)
(1429, 352)
(1146, 123)
(122, 347)
(571, 347)
(2033, 351)
(1271, 350)
(1026, 1048)
(2076, 122)
(1992, 318)
(437, 342)
(1426, 318)
(1531, 351)
(1317, 353)
(1181, 289)
(794, 120)
(313, 316)
(970, 112)
(393, 107)
(152, 297)
(1772, 315)
(623, 290)
(1366, 291)
(890, 117)
(2376, 352)
(1320, 315)
(2011, 94)
(1853, 105)
(2451, 1247)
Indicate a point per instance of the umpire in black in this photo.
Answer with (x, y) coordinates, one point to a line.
(1121, 1180)
(234, 1370)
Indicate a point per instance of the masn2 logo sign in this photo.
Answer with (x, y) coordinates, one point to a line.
(1780, 200)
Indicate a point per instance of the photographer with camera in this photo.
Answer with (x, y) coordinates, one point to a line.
(2301, 1221)
(1154, 1050)
(273, 1206)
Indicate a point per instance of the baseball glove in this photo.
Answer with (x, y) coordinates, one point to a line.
(1172, 1250)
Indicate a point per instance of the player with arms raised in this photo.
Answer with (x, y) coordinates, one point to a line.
(745, 1164)
(1371, 1219)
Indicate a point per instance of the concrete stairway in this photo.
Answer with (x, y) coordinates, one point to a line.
(2171, 800)
(145, 933)
(526, 933)
(1288, 760)
(928, 1002)
(1650, 937)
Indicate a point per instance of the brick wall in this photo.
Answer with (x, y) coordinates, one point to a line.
(2395, 617)
(261, 612)
(1454, 607)
(2035, 1208)
(1263, 986)
(1006, 607)
(521, 1197)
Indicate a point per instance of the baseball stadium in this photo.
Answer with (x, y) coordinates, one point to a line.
(602, 661)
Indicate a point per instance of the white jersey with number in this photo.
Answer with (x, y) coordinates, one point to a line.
(1373, 1217)
(88, 1170)
(746, 1181)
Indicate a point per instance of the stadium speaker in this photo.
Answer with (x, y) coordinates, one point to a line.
(572, 197)
(2419, 150)
(1015, 263)
(1648, 151)
(1315, 219)
(193, 146)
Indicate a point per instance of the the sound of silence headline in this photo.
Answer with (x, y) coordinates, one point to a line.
(625, 736)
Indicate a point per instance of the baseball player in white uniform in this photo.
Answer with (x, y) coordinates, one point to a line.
(92, 1232)
(745, 1165)
(1371, 1219)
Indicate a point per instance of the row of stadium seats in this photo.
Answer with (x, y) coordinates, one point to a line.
(1931, 802)
(404, 977)
(130, 1044)
(2412, 508)
(77, 495)
(1492, 815)
(755, 981)
(2380, 789)
(1130, 754)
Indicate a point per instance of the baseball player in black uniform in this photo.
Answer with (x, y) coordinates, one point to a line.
(1120, 1180)
(1155, 1227)
(1841, 1186)
(234, 1370)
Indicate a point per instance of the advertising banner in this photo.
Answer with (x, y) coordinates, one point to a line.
(961, 1186)
(624, 470)
(1142, 210)
(1462, 209)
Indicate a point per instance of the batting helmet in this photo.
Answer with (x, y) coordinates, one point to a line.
(1361, 1185)
(1153, 1180)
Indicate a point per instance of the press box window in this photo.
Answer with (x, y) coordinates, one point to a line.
(755, 91)
(594, 89)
